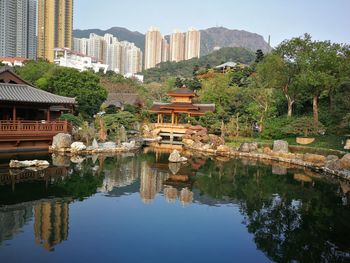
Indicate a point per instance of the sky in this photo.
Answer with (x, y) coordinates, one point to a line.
(281, 19)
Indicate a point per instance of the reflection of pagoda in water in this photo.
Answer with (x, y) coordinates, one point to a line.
(50, 223)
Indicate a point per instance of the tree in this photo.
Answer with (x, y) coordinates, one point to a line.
(280, 73)
(259, 56)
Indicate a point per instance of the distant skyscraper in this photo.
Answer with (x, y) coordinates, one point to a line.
(18, 28)
(153, 48)
(122, 57)
(55, 24)
(193, 43)
(177, 46)
(165, 50)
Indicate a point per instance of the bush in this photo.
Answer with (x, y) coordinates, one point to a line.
(303, 126)
(75, 120)
(274, 127)
(124, 118)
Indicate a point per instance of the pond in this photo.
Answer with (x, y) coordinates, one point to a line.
(140, 208)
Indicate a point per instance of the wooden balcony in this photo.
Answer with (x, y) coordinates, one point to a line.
(32, 129)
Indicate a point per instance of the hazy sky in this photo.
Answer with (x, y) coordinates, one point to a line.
(282, 19)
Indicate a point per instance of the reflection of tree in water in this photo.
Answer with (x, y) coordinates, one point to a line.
(290, 221)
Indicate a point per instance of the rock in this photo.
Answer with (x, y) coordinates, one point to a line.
(77, 147)
(332, 162)
(129, 145)
(60, 160)
(347, 144)
(77, 159)
(24, 164)
(187, 142)
(94, 144)
(197, 128)
(61, 140)
(155, 132)
(223, 148)
(316, 159)
(267, 150)
(174, 167)
(197, 145)
(216, 141)
(175, 157)
(108, 145)
(201, 133)
(280, 146)
(205, 139)
(344, 163)
(248, 147)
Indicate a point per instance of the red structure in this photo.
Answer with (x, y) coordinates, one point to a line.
(29, 116)
(182, 103)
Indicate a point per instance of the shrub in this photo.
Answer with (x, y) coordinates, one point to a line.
(303, 126)
(75, 120)
(274, 127)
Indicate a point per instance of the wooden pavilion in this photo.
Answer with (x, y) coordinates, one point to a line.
(182, 103)
(29, 116)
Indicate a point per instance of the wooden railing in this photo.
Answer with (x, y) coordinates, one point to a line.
(33, 128)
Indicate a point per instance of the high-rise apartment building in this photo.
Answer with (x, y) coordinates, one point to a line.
(153, 48)
(122, 57)
(177, 46)
(192, 43)
(165, 50)
(55, 25)
(18, 28)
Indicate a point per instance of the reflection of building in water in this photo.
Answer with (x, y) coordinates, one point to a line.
(51, 223)
(121, 175)
(171, 194)
(12, 220)
(151, 182)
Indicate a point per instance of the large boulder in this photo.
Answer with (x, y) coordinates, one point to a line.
(61, 140)
(332, 162)
(108, 145)
(24, 164)
(223, 149)
(280, 146)
(175, 157)
(248, 147)
(187, 142)
(344, 162)
(77, 147)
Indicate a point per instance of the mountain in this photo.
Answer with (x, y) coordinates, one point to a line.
(121, 33)
(218, 37)
(211, 38)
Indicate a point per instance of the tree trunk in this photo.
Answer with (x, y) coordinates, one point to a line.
(290, 107)
(315, 109)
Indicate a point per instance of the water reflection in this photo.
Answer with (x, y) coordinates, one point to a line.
(293, 214)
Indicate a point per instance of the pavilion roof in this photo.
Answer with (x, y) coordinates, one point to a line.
(194, 109)
(182, 92)
(28, 94)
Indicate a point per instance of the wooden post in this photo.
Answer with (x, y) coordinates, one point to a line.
(14, 113)
(65, 127)
(48, 114)
(172, 118)
(158, 119)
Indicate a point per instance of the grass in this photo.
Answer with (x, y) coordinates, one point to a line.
(327, 144)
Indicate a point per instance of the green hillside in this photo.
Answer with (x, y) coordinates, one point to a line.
(185, 68)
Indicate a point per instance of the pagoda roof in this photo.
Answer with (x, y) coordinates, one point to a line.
(28, 94)
(194, 109)
(182, 92)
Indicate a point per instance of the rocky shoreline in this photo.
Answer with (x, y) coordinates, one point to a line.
(332, 165)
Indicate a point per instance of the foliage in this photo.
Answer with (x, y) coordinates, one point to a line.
(303, 126)
(185, 68)
(274, 127)
(87, 132)
(75, 120)
(121, 118)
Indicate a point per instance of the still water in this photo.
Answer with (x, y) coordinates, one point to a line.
(139, 208)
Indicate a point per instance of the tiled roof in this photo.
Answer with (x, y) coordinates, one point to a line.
(194, 109)
(26, 93)
(183, 91)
